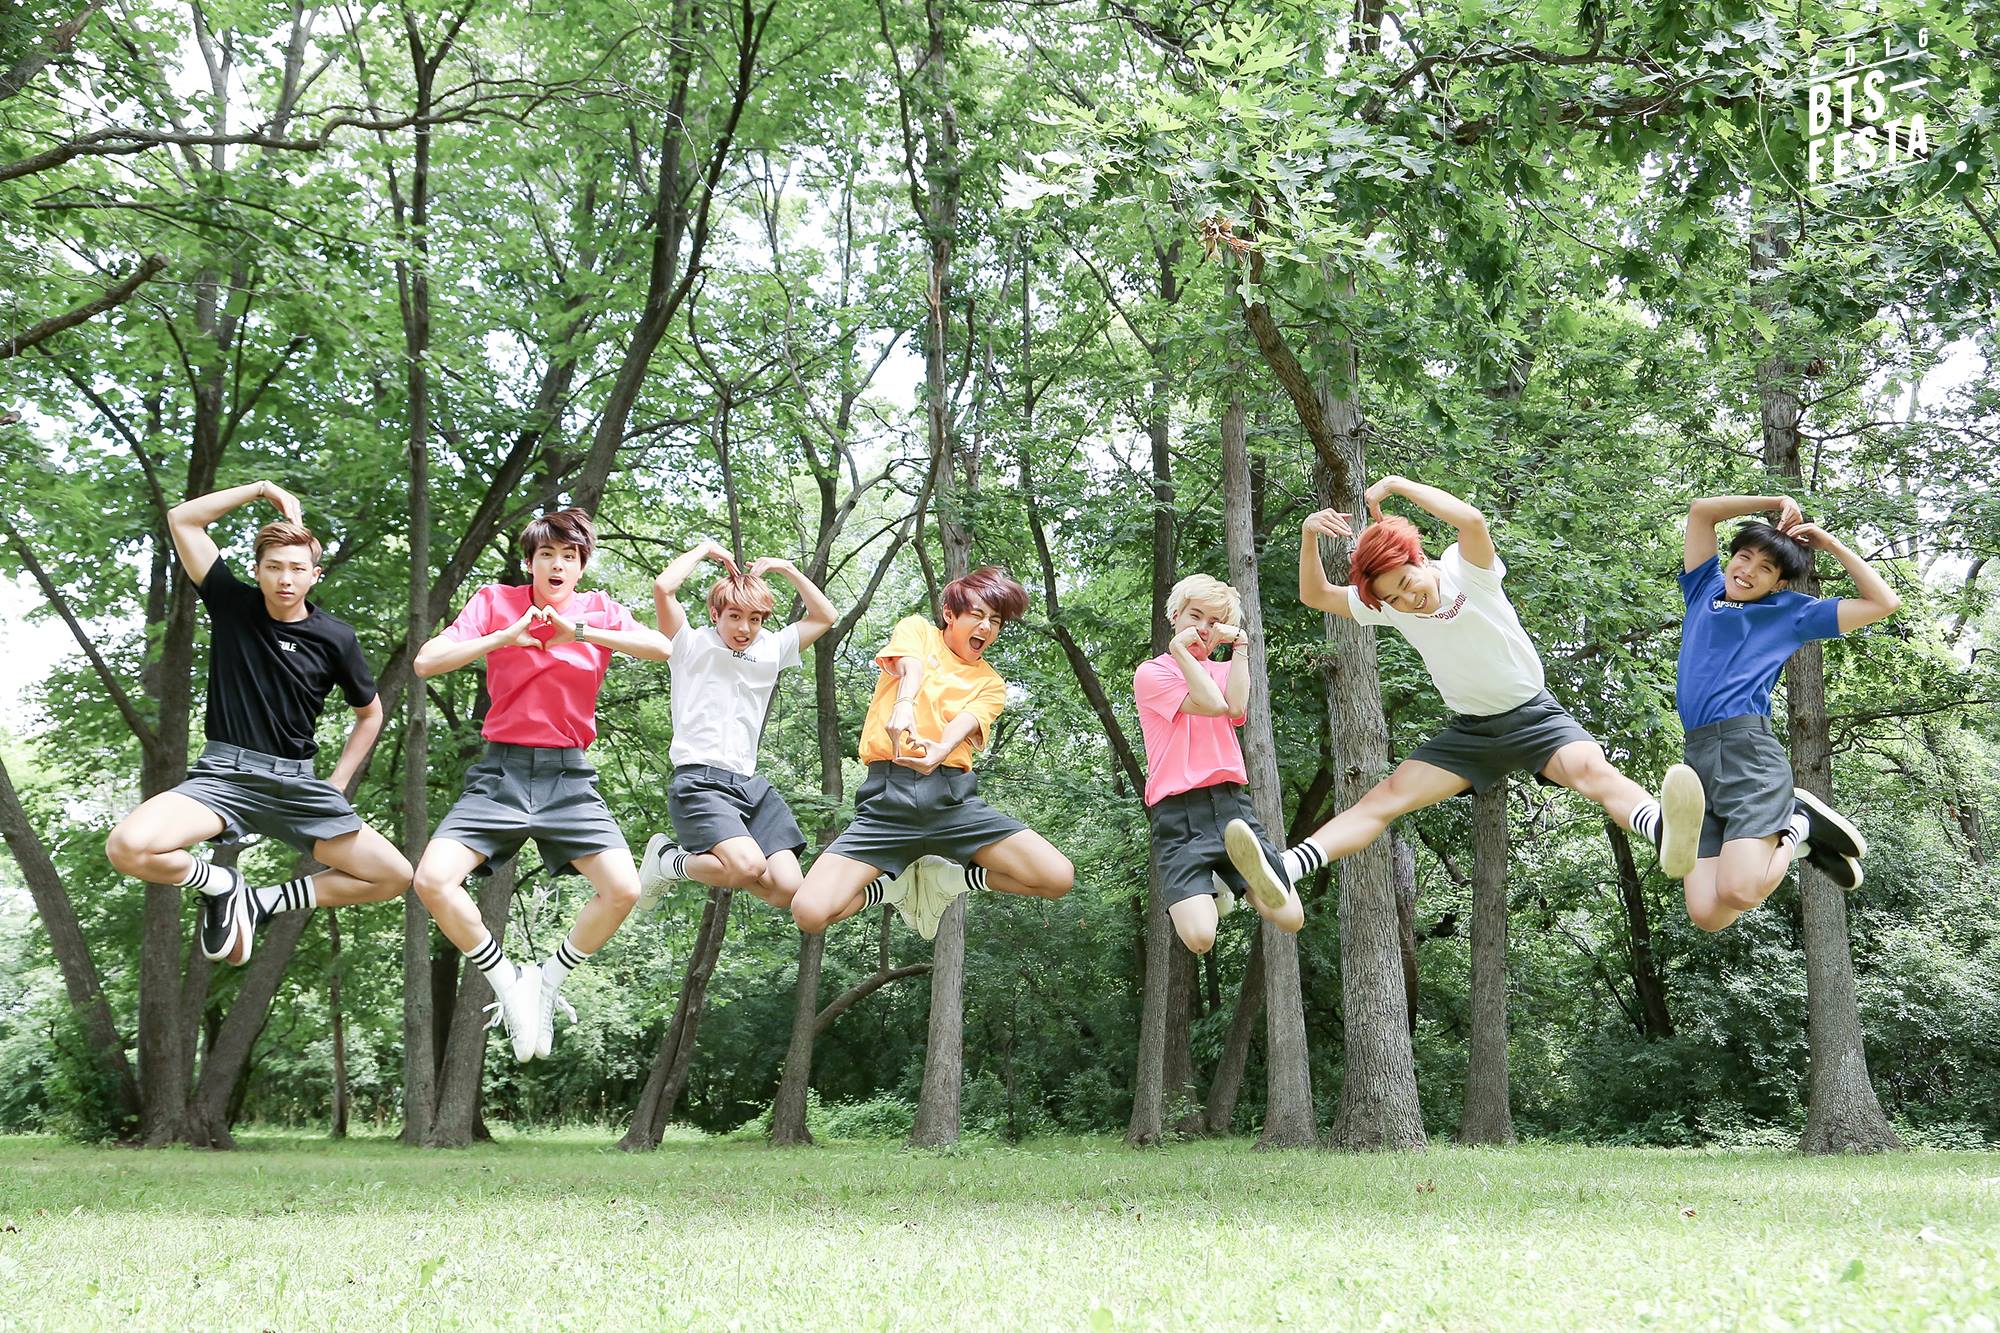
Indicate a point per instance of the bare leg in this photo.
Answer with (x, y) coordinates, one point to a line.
(1582, 767)
(1724, 887)
(616, 881)
(150, 843)
(1028, 864)
(780, 881)
(833, 891)
(733, 863)
(1194, 921)
(1414, 785)
(440, 883)
(1289, 918)
(362, 867)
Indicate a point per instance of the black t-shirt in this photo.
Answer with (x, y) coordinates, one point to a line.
(268, 679)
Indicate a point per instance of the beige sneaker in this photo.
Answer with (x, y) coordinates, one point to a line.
(935, 884)
(1682, 804)
(1225, 897)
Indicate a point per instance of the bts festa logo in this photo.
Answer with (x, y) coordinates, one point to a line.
(1851, 121)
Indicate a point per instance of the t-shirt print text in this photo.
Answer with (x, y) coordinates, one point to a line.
(288, 645)
(1447, 612)
(1724, 604)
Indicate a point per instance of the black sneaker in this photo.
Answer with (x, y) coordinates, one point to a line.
(1844, 872)
(1827, 829)
(223, 920)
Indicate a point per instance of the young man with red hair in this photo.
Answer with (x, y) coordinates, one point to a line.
(1454, 611)
(735, 831)
(272, 658)
(921, 835)
(546, 646)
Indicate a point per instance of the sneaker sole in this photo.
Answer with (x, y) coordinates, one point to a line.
(1247, 855)
(221, 903)
(1682, 805)
(1822, 811)
(1843, 872)
(245, 908)
(652, 883)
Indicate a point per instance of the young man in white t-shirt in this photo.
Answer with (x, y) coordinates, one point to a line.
(734, 830)
(1457, 616)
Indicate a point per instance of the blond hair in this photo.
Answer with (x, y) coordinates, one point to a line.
(1201, 590)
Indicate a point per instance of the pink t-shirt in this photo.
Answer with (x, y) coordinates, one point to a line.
(1183, 750)
(545, 697)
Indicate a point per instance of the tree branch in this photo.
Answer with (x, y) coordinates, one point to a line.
(113, 296)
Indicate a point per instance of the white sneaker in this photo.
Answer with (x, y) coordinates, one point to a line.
(520, 1012)
(1268, 883)
(552, 1000)
(653, 876)
(1682, 804)
(1225, 897)
(935, 885)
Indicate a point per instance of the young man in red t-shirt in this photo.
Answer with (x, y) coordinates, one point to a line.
(546, 647)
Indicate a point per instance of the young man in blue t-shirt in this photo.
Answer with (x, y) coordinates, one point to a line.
(1743, 622)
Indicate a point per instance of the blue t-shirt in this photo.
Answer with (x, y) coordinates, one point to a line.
(1731, 652)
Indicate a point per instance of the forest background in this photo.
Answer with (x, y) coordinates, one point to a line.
(1102, 292)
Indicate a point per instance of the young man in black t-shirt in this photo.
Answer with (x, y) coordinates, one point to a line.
(273, 657)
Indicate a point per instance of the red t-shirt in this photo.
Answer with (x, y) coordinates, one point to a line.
(545, 697)
(1183, 750)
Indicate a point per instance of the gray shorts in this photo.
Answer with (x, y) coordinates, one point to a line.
(712, 805)
(1187, 836)
(268, 796)
(1747, 776)
(901, 814)
(517, 792)
(1484, 750)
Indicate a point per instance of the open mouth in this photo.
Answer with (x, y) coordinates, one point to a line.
(978, 642)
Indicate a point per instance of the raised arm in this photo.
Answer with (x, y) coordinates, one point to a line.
(187, 522)
(1315, 589)
(1877, 600)
(1475, 542)
(819, 616)
(1698, 547)
(667, 610)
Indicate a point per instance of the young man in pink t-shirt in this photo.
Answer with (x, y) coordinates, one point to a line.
(1189, 709)
(546, 647)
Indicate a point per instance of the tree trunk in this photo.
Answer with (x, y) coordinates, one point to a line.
(944, 1057)
(1228, 1080)
(339, 1025)
(1647, 981)
(72, 952)
(1288, 1114)
(1183, 1087)
(1148, 1123)
(788, 1111)
(1403, 879)
(460, 1078)
(1487, 1117)
(1842, 1111)
(1378, 1091)
(668, 1077)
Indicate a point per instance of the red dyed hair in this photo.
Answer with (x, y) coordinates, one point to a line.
(1382, 547)
(991, 585)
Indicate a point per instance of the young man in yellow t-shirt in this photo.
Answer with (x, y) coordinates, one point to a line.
(921, 834)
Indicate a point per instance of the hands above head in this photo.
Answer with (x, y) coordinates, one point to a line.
(1379, 492)
(1789, 514)
(710, 549)
(283, 500)
(772, 564)
(1329, 523)
(1808, 534)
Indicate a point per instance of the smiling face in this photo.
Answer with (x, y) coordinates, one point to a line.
(285, 574)
(1202, 619)
(970, 632)
(1751, 574)
(557, 567)
(738, 627)
(1411, 589)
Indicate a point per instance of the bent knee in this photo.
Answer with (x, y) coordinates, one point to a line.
(621, 893)
(1198, 939)
(431, 884)
(742, 868)
(1061, 878)
(122, 850)
(1739, 896)
(809, 916)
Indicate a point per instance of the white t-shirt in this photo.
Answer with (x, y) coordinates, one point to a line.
(1473, 645)
(719, 696)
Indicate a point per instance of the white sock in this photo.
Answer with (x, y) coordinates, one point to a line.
(872, 895)
(558, 965)
(486, 956)
(294, 895)
(975, 876)
(1646, 821)
(1303, 860)
(1793, 835)
(202, 876)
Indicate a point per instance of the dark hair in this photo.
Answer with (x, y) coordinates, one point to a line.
(565, 527)
(1794, 560)
(991, 585)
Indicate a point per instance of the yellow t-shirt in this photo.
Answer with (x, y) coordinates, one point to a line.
(950, 687)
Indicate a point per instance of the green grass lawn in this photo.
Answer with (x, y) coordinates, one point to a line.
(561, 1231)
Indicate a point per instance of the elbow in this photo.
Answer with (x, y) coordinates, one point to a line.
(424, 666)
(1890, 604)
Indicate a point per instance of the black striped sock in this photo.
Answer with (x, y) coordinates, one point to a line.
(1646, 821)
(294, 895)
(1303, 860)
(200, 877)
(975, 876)
(675, 863)
(569, 957)
(489, 960)
(872, 895)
